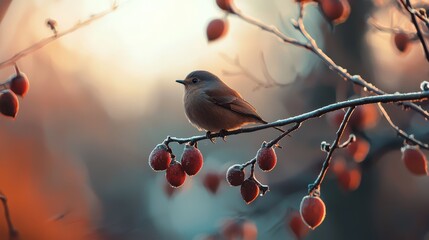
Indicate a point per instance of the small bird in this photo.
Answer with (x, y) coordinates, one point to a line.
(213, 106)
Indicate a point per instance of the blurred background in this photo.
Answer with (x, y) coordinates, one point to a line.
(74, 162)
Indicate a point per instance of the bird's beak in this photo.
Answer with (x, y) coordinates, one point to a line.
(181, 81)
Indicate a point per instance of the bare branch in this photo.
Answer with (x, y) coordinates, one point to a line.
(402, 133)
(56, 36)
(413, 14)
(313, 47)
(12, 231)
(387, 29)
(386, 98)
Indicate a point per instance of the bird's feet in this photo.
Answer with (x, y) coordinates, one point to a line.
(209, 137)
(223, 133)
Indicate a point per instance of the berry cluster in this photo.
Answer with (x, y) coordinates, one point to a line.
(354, 122)
(266, 159)
(162, 159)
(17, 84)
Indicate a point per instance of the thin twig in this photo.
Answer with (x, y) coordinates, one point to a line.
(413, 11)
(386, 98)
(312, 46)
(386, 29)
(38, 45)
(413, 15)
(286, 133)
(12, 231)
(268, 83)
(243, 70)
(315, 187)
(400, 132)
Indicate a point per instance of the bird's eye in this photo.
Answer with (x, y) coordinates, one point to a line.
(194, 80)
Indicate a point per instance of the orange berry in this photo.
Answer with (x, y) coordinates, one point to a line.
(335, 11)
(266, 158)
(402, 41)
(231, 229)
(9, 104)
(414, 160)
(192, 160)
(250, 231)
(175, 174)
(298, 227)
(312, 211)
(211, 182)
(159, 158)
(19, 83)
(349, 179)
(358, 149)
(224, 5)
(249, 190)
(216, 29)
(365, 117)
(338, 166)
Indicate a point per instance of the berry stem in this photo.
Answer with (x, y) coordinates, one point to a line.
(17, 69)
(286, 133)
(316, 185)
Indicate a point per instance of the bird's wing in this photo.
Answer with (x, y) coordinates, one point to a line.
(232, 100)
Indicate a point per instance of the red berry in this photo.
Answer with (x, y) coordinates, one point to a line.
(349, 179)
(250, 231)
(211, 181)
(9, 104)
(175, 174)
(249, 190)
(217, 28)
(159, 158)
(338, 166)
(298, 227)
(313, 211)
(192, 160)
(402, 41)
(414, 160)
(363, 117)
(266, 158)
(231, 229)
(358, 149)
(19, 83)
(224, 5)
(235, 175)
(335, 11)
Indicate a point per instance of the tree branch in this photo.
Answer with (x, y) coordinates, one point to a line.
(400, 132)
(313, 47)
(314, 188)
(416, 25)
(38, 45)
(386, 98)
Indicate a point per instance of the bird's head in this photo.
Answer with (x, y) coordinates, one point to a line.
(200, 80)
